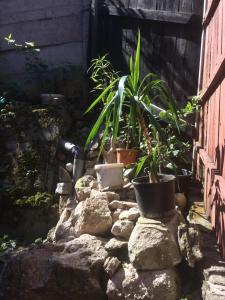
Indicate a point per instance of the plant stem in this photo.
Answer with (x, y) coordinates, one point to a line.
(152, 176)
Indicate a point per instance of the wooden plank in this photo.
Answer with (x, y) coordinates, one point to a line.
(210, 12)
(166, 47)
(151, 15)
(215, 78)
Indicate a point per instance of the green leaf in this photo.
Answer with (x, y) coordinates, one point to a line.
(101, 96)
(118, 106)
(106, 111)
(136, 74)
(140, 164)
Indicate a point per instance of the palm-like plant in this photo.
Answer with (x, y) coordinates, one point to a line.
(130, 97)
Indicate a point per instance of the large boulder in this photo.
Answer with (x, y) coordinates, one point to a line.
(129, 284)
(152, 246)
(92, 216)
(67, 271)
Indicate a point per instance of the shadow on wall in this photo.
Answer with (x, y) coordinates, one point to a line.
(68, 80)
(171, 50)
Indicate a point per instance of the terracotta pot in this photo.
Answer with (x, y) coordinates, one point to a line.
(126, 156)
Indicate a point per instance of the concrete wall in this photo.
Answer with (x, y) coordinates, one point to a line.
(58, 27)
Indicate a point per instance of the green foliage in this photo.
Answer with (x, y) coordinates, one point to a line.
(40, 76)
(6, 244)
(128, 100)
(37, 200)
(102, 73)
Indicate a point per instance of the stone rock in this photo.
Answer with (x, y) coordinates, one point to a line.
(129, 284)
(89, 249)
(118, 248)
(62, 203)
(128, 194)
(214, 283)
(121, 205)
(189, 242)
(64, 188)
(50, 235)
(84, 181)
(83, 193)
(122, 229)
(64, 229)
(110, 196)
(111, 265)
(93, 217)
(152, 246)
(132, 214)
(66, 202)
(116, 214)
(55, 272)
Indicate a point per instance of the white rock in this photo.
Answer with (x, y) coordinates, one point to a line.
(64, 188)
(110, 196)
(64, 228)
(85, 181)
(111, 265)
(132, 214)
(92, 216)
(153, 247)
(127, 283)
(83, 193)
(122, 229)
(116, 214)
(118, 248)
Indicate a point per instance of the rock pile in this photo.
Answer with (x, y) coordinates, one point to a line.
(101, 248)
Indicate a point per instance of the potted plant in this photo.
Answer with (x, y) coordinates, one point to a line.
(130, 98)
(123, 148)
(171, 156)
(105, 80)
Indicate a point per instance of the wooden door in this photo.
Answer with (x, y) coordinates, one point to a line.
(210, 144)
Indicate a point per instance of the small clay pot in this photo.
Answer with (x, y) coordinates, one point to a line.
(126, 156)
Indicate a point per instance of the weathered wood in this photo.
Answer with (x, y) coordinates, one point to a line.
(210, 146)
(151, 15)
(169, 49)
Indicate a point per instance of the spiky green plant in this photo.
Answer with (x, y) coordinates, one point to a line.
(131, 97)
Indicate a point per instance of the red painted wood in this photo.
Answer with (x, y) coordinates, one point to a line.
(210, 147)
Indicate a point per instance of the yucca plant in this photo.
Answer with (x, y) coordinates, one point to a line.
(131, 98)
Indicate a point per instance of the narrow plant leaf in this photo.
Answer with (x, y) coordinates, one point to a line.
(140, 164)
(101, 96)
